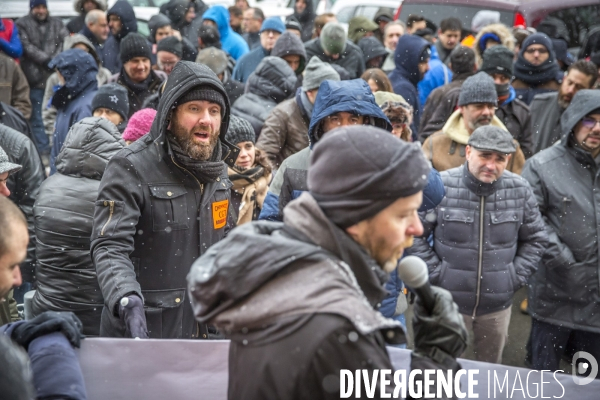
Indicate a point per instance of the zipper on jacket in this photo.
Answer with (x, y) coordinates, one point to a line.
(480, 258)
(192, 175)
(111, 204)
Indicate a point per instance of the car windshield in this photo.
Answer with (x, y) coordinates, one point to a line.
(437, 12)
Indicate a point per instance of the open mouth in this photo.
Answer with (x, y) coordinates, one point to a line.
(202, 136)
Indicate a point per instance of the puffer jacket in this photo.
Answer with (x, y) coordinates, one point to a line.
(231, 42)
(565, 291)
(406, 76)
(42, 41)
(271, 83)
(285, 131)
(351, 59)
(482, 258)
(24, 186)
(14, 89)
(153, 218)
(334, 96)
(63, 212)
(112, 46)
(501, 31)
(248, 63)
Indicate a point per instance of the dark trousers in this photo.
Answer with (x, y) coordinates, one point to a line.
(40, 138)
(548, 343)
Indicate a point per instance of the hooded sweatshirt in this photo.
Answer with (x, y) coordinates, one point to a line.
(306, 19)
(372, 48)
(112, 46)
(406, 76)
(231, 42)
(290, 44)
(352, 96)
(73, 100)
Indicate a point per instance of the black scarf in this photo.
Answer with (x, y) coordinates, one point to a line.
(242, 178)
(137, 88)
(206, 171)
(535, 75)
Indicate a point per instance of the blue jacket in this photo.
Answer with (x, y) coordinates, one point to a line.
(438, 75)
(112, 46)
(433, 194)
(54, 366)
(333, 97)
(405, 77)
(13, 47)
(248, 63)
(231, 42)
(99, 47)
(73, 101)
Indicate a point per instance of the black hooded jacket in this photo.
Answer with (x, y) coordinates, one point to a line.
(153, 218)
(351, 59)
(306, 19)
(63, 212)
(290, 44)
(372, 48)
(112, 46)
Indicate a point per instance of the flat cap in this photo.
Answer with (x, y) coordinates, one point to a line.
(6, 165)
(492, 138)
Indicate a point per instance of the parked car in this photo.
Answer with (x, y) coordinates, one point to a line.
(345, 10)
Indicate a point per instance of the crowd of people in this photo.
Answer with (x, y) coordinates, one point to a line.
(127, 160)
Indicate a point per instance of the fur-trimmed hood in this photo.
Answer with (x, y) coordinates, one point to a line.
(78, 5)
(501, 31)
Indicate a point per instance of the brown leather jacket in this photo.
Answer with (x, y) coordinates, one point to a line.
(14, 89)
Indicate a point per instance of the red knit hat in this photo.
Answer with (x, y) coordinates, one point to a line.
(139, 124)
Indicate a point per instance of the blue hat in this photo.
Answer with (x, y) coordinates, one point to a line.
(35, 3)
(273, 24)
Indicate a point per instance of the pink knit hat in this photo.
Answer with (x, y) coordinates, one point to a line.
(139, 124)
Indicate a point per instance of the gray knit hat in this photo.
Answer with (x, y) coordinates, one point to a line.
(478, 88)
(6, 165)
(383, 169)
(492, 138)
(240, 130)
(498, 60)
(172, 45)
(316, 72)
(333, 38)
(213, 58)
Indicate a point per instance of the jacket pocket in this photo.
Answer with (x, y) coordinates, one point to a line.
(565, 211)
(169, 207)
(458, 226)
(107, 216)
(164, 312)
(505, 227)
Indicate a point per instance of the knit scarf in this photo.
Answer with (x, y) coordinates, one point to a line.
(535, 75)
(242, 178)
(206, 171)
(137, 87)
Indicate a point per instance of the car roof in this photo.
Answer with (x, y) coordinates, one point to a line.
(19, 8)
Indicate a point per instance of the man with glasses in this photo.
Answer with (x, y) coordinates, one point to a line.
(536, 70)
(477, 105)
(564, 292)
(270, 31)
(251, 22)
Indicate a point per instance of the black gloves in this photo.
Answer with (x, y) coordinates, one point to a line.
(441, 336)
(48, 322)
(131, 311)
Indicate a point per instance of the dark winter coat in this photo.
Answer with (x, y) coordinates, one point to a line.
(306, 19)
(112, 47)
(77, 23)
(482, 259)
(526, 92)
(92, 38)
(334, 96)
(14, 89)
(351, 59)
(13, 118)
(231, 42)
(234, 89)
(252, 38)
(73, 101)
(24, 186)
(137, 93)
(280, 288)
(290, 44)
(271, 83)
(64, 211)
(372, 48)
(565, 291)
(247, 64)
(153, 218)
(42, 41)
(545, 121)
(406, 76)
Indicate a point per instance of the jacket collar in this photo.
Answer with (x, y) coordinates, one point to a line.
(477, 187)
(455, 127)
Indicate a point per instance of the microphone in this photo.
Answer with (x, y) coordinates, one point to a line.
(413, 272)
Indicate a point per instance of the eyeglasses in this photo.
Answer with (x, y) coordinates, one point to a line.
(542, 50)
(589, 123)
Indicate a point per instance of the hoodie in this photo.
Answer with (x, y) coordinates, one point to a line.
(157, 21)
(307, 19)
(231, 42)
(406, 76)
(290, 44)
(352, 96)
(74, 99)
(112, 46)
(372, 48)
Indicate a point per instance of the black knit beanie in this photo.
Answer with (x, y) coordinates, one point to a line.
(114, 97)
(240, 130)
(383, 170)
(204, 92)
(172, 45)
(498, 60)
(134, 45)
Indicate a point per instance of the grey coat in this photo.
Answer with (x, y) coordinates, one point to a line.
(545, 120)
(502, 246)
(566, 182)
(153, 218)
